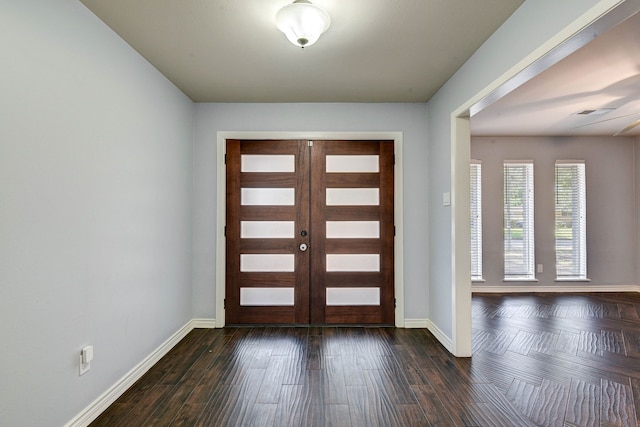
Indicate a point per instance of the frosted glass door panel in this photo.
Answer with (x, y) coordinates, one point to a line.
(267, 196)
(353, 196)
(267, 262)
(353, 296)
(267, 229)
(267, 163)
(353, 229)
(266, 296)
(353, 262)
(351, 164)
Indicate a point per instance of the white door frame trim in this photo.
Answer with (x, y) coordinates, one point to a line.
(221, 187)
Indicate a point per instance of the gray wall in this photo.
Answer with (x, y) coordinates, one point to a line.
(95, 209)
(611, 200)
(410, 119)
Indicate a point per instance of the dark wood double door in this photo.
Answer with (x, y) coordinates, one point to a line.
(309, 232)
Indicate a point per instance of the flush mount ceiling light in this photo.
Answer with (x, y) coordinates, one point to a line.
(302, 22)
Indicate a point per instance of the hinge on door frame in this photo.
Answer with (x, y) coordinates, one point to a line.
(225, 159)
(224, 303)
(394, 159)
(225, 231)
(310, 143)
(394, 231)
(395, 301)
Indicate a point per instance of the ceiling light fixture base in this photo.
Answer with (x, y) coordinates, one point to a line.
(302, 22)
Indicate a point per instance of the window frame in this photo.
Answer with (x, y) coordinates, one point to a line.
(475, 173)
(578, 214)
(526, 218)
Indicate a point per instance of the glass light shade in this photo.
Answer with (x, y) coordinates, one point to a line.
(302, 22)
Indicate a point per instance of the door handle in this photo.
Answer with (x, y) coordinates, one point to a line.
(303, 247)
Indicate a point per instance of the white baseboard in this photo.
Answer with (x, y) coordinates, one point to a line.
(416, 323)
(440, 336)
(204, 323)
(99, 405)
(437, 332)
(500, 289)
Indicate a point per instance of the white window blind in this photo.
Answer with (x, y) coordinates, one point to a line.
(476, 221)
(571, 221)
(519, 248)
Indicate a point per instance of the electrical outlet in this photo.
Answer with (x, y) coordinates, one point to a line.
(540, 268)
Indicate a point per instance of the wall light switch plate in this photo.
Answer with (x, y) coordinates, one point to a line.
(446, 199)
(84, 367)
(86, 356)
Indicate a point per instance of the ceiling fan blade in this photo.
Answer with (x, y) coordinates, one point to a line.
(628, 128)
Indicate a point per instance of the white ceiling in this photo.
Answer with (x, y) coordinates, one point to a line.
(603, 74)
(374, 51)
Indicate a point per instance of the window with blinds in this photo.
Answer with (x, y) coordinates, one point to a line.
(571, 221)
(519, 248)
(476, 221)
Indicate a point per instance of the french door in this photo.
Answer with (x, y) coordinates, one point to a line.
(309, 232)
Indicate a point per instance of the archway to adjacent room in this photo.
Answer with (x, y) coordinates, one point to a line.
(579, 33)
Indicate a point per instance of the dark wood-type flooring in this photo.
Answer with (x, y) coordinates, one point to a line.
(539, 360)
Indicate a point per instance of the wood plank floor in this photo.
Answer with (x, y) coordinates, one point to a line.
(539, 360)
